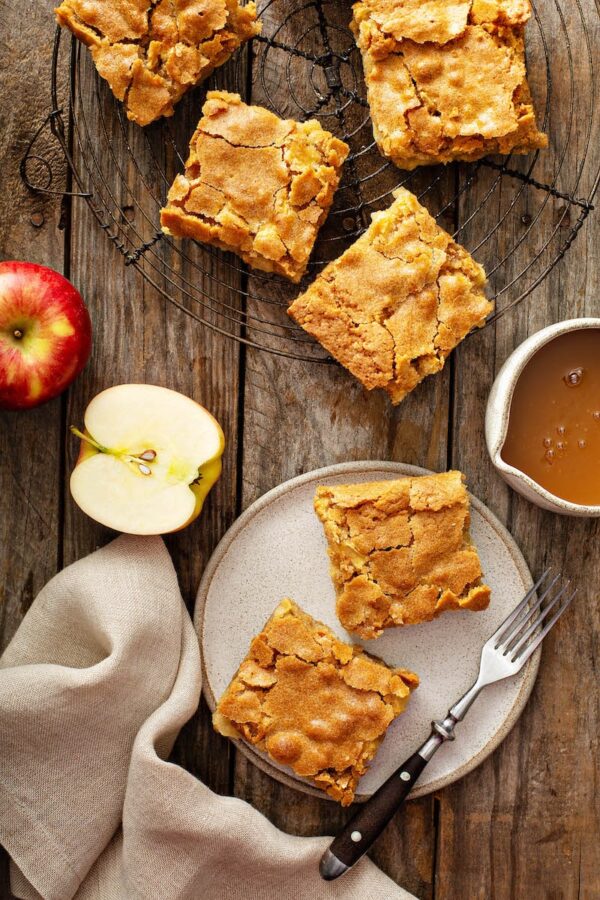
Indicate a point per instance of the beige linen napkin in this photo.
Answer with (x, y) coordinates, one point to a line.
(94, 688)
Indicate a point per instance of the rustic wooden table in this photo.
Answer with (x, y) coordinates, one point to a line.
(526, 823)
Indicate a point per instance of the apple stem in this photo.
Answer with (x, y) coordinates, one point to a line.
(89, 440)
(18, 334)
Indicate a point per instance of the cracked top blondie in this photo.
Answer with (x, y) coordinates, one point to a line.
(152, 51)
(312, 702)
(446, 80)
(400, 551)
(255, 184)
(397, 301)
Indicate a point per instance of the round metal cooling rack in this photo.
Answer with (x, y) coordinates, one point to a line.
(517, 215)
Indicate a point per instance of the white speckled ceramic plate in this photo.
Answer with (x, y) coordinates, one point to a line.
(277, 549)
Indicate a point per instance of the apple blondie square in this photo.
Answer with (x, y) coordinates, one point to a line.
(394, 305)
(152, 51)
(400, 551)
(255, 184)
(446, 80)
(313, 702)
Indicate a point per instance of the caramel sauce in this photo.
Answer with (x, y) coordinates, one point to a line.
(554, 421)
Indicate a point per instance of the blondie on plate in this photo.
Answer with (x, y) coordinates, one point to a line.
(394, 305)
(400, 551)
(152, 51)
(255, 184)
(446, 80)
(312, 702)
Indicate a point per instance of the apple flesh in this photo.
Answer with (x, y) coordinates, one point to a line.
(45, 334)
(148, 458)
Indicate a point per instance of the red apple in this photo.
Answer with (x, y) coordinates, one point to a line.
(45, 334)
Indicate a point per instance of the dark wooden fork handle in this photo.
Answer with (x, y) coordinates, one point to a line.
(367, 824)
(370, 820)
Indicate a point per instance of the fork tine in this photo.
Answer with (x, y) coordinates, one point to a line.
(522, 659)
(519, 639)
(523, 619)
(501, 630)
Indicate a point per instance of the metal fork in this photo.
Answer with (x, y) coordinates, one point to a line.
(502, 656)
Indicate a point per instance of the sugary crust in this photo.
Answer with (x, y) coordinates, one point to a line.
(255, 184)
(312, 702)
(397, 301)
(152, 51)
(446, 80)
(400, 551)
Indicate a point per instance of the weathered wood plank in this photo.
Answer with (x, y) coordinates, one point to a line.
(301, 415)
(526, 823)
(142, 337)
(32, 228)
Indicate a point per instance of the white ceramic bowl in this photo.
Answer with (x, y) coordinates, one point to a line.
(498, 411)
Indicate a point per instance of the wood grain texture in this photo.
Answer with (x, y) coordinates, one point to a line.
(299, 416)
(143, 338)
(526, 822)
(524, 825)
(31, 227)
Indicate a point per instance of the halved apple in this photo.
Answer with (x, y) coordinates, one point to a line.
(148, 458)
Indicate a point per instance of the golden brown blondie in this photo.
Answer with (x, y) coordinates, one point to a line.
(446, 80)
(152, 51)
(313, 702)
(394, 305)
(255, 184)
(400, 551)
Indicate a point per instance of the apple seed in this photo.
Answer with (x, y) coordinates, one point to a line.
(148, 455)
(145, 470)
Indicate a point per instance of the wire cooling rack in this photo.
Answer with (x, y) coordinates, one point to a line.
(517, 215)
